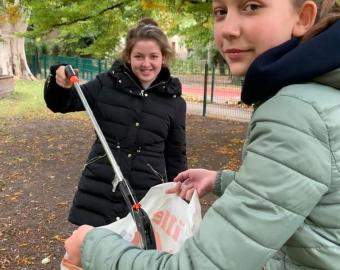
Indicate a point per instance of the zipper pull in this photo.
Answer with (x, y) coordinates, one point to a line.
(156, 173)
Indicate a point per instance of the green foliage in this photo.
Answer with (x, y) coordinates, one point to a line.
(188, 66)
(96, 28)
(91, 28)
(191, 16)
(10, 12)
(191, 20)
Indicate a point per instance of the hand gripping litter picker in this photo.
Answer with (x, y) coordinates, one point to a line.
(140, 217)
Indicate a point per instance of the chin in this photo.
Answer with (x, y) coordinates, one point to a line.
(238, 73)
(238, 70)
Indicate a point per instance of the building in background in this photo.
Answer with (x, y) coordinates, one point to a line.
(179, 47)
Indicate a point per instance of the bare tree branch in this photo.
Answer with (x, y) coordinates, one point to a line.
(88, 17)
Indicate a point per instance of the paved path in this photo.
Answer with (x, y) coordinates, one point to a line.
(219, 111)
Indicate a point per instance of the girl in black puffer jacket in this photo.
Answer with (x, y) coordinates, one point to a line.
(139, 107)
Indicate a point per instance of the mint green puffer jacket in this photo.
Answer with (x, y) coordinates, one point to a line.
(281, 210)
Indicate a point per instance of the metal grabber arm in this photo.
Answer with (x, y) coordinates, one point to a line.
(140, 217)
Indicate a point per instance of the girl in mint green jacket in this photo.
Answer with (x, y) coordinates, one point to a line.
(281, 209)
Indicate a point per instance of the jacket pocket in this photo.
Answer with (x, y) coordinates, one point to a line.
(94, 159)
(160, 176)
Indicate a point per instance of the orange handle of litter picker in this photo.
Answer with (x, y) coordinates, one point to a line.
(74, 79)
(71, 75)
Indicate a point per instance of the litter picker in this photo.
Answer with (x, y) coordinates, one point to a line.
(140, 217)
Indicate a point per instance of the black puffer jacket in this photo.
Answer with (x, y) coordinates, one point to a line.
(144, 128)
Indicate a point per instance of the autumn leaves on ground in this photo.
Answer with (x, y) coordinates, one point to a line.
(41, 159)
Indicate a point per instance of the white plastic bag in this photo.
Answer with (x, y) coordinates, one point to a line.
(173, 220)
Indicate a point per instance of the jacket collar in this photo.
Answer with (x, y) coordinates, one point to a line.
(293, 62)
(331, 79)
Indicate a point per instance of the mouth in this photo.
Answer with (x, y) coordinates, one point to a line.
(145, 71)
(234, 50)
(235, 54)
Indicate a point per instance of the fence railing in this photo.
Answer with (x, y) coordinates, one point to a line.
(206, 91)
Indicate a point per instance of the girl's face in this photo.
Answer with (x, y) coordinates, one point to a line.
(146, 61)
(245, 29)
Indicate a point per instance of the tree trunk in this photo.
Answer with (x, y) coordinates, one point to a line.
(12, 49)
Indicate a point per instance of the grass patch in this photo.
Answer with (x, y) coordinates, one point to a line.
(27, 101)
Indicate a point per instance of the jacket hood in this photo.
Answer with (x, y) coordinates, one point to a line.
(172, 85)
(294, 62)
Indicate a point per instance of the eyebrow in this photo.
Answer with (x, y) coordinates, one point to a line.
(141, 53)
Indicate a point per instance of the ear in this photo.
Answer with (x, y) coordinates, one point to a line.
(306, 18)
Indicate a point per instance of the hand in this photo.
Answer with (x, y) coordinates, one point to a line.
(200, 179)
(61, 78)
(74, 243)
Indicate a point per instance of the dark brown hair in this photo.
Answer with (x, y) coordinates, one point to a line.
(147, 29)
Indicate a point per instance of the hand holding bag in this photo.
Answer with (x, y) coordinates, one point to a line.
(173, 220)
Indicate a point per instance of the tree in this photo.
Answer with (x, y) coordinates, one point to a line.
(191, 19)
(94, 28)
(103, 24)
(13, 21)
(98, 25)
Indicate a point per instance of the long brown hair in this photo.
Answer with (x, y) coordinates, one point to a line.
(147, 29)
(328, 13)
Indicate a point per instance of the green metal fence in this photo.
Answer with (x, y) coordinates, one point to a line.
(206, 90)
(88, 67)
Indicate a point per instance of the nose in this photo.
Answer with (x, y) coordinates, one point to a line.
(231, 27)
(146, 61)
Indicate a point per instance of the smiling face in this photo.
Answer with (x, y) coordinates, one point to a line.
(245, 29)
(146, 61)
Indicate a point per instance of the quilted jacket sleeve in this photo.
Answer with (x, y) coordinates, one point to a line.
(59, 99)
(285, 172)
(175, 145)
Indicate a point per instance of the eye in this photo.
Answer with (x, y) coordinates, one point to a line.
(219, 13)
(138, 56)
(154, 56)
(251, 7)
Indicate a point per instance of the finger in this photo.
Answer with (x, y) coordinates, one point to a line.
(181, 176)
(184, 189)
(176, 189)
(178, 177)
(189, 194)
(60, 78)
(63, 82)
(187, 184)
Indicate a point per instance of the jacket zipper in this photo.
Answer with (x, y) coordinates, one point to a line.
(140, 89)
(157, 173)
(93, 160)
